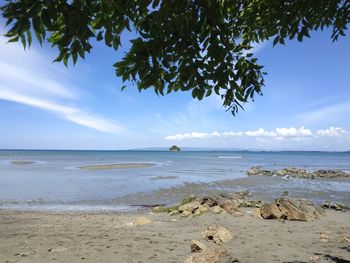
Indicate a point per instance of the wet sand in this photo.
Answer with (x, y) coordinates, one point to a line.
(21, 162)
(116, 166)
(114, 237)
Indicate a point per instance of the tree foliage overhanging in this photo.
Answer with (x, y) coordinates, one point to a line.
(202, 46)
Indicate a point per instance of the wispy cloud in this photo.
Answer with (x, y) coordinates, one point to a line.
(29, 79)
(332, 112)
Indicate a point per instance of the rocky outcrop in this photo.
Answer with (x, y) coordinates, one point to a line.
(174, 148)
(297, 173)
(291, 209)
(217, 204)
(257, 170)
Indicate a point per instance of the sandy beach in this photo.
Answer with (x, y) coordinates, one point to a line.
(115, 237)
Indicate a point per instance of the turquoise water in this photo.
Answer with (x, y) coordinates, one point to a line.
(55, 182)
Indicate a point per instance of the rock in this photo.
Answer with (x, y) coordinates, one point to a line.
(201, 210)
(335, 206)
(292, 209)
(205, 256)
(217, 233)
(174, 148)
(216, 204)
(186, 213)
(142, 221)
(298, 173)
(216, 209)
(330, 173)
(160, 209)
(210, 201)
(314, 259)
(189, 199)
(308, 207)
(237, 214)
(257, 170)
(249, 203)
(243, 193)
(229, 206)
(346, 238)
(195, 208)
(202, 254)
(324, 237)
(174, 212)
(189, 207)
(299, 209)
(256, 213)
(197, 246)
(270, 211)
(293, 172)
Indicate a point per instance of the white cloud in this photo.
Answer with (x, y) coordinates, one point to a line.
(260, 133)
(328, 139)
(331, 132)
(293, 132)
(29, 79)
(196, 135)
(278, 133)
(232, 134)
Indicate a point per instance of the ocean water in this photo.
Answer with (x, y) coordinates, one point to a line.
(55, 182)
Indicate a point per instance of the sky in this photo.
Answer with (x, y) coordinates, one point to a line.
(44, 105)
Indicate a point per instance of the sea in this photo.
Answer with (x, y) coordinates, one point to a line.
(53, 180)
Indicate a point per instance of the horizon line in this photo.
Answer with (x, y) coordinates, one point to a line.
(186, 149)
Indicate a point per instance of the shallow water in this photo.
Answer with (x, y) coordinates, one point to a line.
(55, 182)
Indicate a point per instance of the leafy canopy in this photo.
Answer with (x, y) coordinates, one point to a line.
(202, 46)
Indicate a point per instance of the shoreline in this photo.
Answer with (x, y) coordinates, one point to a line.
(171, 195)
(147, 237)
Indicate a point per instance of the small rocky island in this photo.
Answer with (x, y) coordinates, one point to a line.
(174, 148)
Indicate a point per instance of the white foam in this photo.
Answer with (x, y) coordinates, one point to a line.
(229, 157)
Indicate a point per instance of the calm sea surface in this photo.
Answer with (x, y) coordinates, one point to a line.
(55, 182)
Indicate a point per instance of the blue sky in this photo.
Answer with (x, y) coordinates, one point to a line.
(305, 106)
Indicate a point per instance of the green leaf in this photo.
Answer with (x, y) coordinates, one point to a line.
(15, 39)
(23, 40)
(29, 36)
(99, 36)
(194, 93)
(282, 41)
(75, 57)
